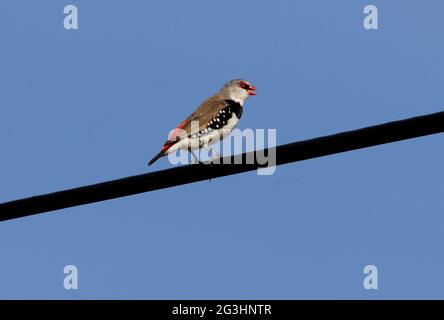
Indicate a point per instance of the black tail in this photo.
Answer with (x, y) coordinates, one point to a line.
(159, 155)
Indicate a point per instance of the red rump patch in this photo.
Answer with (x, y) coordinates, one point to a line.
(172, 138)
(166, 147)
(177, 131)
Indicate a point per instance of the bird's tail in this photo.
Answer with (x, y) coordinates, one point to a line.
(163, 151)
(159, 155)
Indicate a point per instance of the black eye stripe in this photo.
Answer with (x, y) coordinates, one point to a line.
(244, 85)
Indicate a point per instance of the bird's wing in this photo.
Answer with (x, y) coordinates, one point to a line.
(202, 116)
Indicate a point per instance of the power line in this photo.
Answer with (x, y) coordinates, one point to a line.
(292, 152)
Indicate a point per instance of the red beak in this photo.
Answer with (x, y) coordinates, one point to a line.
(251, 90)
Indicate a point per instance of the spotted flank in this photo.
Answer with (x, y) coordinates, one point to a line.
(222, 117)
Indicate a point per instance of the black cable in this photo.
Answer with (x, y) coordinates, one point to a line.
(292, 152)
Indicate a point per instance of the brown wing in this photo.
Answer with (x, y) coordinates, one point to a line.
(198, 120)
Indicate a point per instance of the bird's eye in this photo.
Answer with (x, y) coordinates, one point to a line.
(243, 85)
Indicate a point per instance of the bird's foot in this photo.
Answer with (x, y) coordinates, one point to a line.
(215, 156)
(194, 161)
(215, 160)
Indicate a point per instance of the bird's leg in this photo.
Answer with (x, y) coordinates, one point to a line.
(214, 153)
(195, 157)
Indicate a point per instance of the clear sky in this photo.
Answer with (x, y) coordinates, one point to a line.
(94, 104)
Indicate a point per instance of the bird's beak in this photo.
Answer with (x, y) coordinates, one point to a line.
(251, 90)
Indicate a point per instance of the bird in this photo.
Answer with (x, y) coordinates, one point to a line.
(211, 122)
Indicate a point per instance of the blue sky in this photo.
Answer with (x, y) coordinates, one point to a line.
(94, 104)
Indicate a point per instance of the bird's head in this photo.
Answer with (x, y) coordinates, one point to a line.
(238, 90)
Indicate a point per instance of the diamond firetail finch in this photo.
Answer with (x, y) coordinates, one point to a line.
(211, 122)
